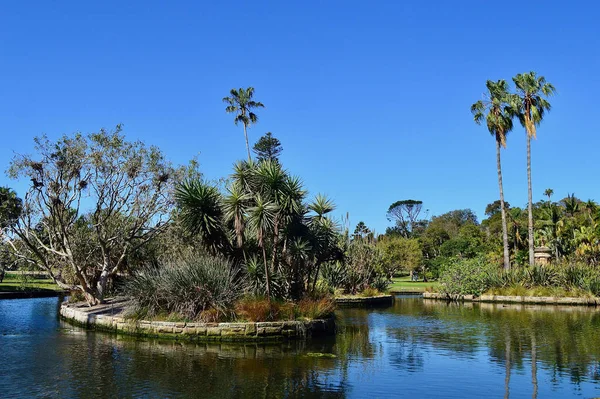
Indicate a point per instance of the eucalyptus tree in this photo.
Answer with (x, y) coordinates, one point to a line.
(530, 105)
(405, 213)
(497, 114)
(241, 104)
(92, 203)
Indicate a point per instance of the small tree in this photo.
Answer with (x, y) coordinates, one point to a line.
(267, 147)
(400, 253)
(11, 207)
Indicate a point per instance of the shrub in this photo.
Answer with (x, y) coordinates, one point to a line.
(260, 309)
(370, 291)
(315, 308)
(467, 276)
(334, 274)
(197, 287)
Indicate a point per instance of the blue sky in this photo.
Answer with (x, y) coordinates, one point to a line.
(370, 99)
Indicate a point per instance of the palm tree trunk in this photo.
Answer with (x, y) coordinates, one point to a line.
(502, 209)
(530, 204)
(247, 145)
(267, 277)
(275, 242)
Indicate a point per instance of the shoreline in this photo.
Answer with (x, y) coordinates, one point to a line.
(109, 317)
(537, 300)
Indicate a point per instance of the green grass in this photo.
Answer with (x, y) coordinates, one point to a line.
(404, 284)
(14, 283)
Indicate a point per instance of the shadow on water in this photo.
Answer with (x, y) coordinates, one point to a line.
(414, 348)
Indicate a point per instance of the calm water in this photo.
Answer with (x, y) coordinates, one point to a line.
(413, 349)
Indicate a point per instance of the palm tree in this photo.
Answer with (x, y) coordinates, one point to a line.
(202, 214)
(261, 219)
(499, 123)
(240, 102)
(235, 206)
(529, 106)
(548, 193)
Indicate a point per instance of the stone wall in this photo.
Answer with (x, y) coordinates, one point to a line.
(515, 299)
(101, 319)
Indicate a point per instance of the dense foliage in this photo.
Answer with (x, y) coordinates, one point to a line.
(263, 216)
(478, 275)
(195, 286)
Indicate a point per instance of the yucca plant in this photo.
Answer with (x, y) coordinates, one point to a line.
(186, 286)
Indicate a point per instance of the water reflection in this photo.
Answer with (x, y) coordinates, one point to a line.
(415, 348)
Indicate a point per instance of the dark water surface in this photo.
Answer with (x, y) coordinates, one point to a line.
(413, 349)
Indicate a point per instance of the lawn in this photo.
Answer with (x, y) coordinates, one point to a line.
(400, 284)
(15, 283)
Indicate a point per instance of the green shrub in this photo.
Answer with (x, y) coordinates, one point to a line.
(260, 309)
(467, 276)
(370, 291)
(315, 308)
(197, 287)
(334, 274)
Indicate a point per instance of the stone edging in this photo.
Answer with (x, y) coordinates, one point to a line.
(540, 300)
(364, 301)
(84, 316)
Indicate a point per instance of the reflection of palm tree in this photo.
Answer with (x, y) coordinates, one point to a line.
(507, 366)
(534, 381)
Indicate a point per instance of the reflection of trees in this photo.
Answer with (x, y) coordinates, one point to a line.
(108, 366)
(561, 339)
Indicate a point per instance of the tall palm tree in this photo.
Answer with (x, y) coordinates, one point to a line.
(548, 193)
(241, 104)
(530, 106)
(496, 112)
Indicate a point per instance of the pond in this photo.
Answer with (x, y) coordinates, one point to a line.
(414, 348)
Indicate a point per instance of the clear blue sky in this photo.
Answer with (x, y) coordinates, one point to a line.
(370, 99)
